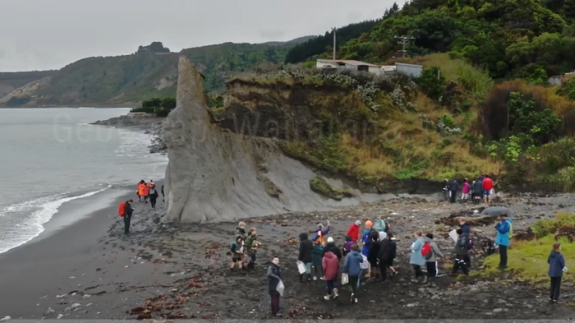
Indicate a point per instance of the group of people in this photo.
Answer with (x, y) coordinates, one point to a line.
(478, 191)
(245, 244)
(370, 254)
(144, 191)
(148, 190)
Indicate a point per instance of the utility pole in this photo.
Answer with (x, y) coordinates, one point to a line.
(404, 41)
(334, 42)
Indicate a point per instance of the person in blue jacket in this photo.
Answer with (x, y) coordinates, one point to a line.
(352, 268)
(417, 260)
(502, 240)
(556, 267)
(368, 235)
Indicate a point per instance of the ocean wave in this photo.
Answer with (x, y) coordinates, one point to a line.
(27, 219)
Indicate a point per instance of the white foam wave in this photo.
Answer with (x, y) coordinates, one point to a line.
(43, 209)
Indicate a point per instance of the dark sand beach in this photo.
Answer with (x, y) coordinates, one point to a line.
(90, 270)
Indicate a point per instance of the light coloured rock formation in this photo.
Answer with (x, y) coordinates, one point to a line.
(214, 175)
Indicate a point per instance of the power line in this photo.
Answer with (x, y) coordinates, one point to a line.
(404, 41)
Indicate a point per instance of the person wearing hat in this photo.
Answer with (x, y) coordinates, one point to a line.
(353, 231)
(368, 234)
(320, 232)
(330, 246)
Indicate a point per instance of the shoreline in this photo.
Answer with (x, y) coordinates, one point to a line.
(68, 258)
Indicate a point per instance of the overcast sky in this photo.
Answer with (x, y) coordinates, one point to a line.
(49, 34)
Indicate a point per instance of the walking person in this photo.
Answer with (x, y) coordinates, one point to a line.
(416, 259)
(352, 268)
(142, 190)
(163, 197)
(330, 265)
(487, 187)
(153, 195)
(556, 263)
(372, 254)
(317, 254)
(477, 191)
(387, 252)
(274, 279)
(503, 239)
(465, 191)
(128, 211)
(453, 188)
(431, 260)
(461, 254)
(353, 231)
(466, 229)
(305, 256)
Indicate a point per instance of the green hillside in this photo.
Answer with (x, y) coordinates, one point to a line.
(318, 45)
(216, 61)
(482, 105)
(12, 80)
(508, 38)
(150, 72)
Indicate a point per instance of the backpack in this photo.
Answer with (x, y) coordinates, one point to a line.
(426, 250)
(152, 191)
(232, 245)
(122, 209)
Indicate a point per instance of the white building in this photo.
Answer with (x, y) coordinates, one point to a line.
(409, 69)
(348, 64)
(406, 69)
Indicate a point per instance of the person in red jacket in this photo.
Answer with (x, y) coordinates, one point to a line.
(353, 231)
(487, 187)
(330, 265)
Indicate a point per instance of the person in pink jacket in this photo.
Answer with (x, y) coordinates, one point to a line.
(465, 190)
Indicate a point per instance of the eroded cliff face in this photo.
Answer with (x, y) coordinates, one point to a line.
(289, 111)
(215, 175)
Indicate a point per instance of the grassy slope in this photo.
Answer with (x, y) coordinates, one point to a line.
(400, 147)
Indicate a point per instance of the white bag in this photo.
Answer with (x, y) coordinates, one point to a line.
(365, 264)
(564, 269)
(344, 278)
(301, 267)
(453, 235)
(280, 288)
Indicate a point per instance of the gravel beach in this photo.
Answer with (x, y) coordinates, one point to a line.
(90, 270)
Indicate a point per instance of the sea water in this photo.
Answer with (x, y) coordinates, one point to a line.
(52, 156)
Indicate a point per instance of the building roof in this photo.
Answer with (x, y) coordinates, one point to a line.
(347, 62)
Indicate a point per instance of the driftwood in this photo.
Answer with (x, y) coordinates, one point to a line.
(568, 232)
(480, 220)
(523, 235)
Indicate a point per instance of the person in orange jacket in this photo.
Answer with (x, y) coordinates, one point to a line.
(143, 190)
(140, 191)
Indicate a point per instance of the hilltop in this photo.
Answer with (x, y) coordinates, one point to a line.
(126, 80)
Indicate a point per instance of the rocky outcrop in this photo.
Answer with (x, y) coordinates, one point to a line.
(216, 175)
(152, 125)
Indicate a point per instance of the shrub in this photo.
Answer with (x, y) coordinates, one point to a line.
(545, 227)
(492, 115)
(433, 83)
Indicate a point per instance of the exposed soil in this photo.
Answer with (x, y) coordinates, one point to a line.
(197, 282)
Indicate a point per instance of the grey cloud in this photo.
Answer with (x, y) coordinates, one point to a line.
(49, 34)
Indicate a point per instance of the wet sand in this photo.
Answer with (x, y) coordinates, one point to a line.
(181, 271)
